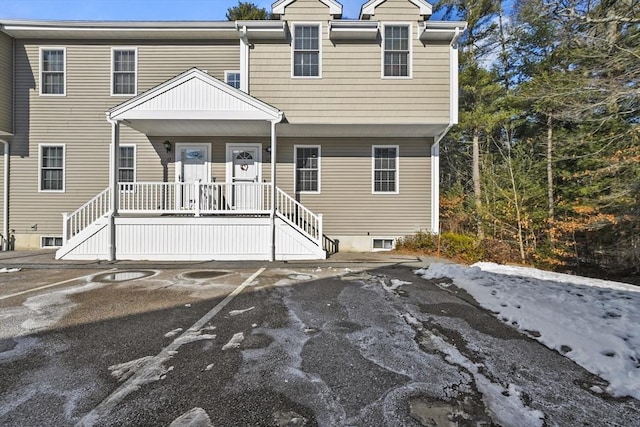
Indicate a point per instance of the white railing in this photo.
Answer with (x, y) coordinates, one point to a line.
(86, 215)
(194, 198)
(299, 216)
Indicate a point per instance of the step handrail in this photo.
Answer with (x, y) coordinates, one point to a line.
(85, 215)
(299, 217)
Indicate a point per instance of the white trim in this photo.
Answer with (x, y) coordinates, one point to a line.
(178, 160)
(295, 168)
(369, 8)
(278, 8)
(293, 44)
(64, 70)
(374, 249)
(244, 60)
(226, 77)
(64, 168)
(135, 80)
(135, 160)
(373, 169)
(409, 75)
(229, 158)
(453, 84)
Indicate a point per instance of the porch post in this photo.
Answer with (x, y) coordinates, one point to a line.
(273, 190)
(113, 185)
(5, 199)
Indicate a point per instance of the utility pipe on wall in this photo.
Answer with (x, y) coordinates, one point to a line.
(5, 198)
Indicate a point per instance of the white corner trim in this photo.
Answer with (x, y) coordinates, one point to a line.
(435, 187)
(453, 84)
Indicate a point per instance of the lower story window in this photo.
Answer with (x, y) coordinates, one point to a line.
(51, 168)
(51, 242)
(127, 164)
(383, 244)
(385, 169)
(307, 168)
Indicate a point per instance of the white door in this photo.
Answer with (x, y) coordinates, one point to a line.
(192, 164)
(244, 172)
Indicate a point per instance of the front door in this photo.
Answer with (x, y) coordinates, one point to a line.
(192, 164)
(244, 171)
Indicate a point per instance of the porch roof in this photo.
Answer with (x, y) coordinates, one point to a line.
(195, 103)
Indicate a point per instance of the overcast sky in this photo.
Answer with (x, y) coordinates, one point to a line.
(138, 10)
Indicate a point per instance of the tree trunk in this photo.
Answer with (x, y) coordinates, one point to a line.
(476, 181)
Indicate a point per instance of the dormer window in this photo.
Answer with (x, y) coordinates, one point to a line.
(306, 50)
(396, 52)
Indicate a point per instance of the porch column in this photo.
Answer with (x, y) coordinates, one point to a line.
(273, 189)
(113, 185)
(5, 198)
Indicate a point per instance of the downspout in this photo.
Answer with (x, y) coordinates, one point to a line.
(274, 152)
(435, 148)
(5, 198)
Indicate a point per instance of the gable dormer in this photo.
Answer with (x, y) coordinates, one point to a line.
(307, 10)
(396, 10)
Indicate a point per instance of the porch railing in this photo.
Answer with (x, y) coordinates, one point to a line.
(87, 214)
(196, 199)
(299, 216)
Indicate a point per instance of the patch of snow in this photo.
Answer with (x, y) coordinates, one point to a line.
(239, 312)
(209, 367)
(173, 333)
(395, 284)
(196, 417)
(235, 341)
(591, 321)
(123, 371)
(9, 270)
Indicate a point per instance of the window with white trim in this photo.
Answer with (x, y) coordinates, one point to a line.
(397, 54)
(385, 168)
(51, 171)
(306, 50)
(123, 68)
(307, 168)
(232, 78)
(50, 241)
(127, 164)
(383, 244)
(52, 71)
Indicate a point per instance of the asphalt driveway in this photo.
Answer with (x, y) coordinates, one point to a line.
(357, 340)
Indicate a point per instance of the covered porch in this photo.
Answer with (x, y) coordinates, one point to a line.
(196, 216)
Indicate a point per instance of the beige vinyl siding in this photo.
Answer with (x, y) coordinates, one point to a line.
(306, 10)
(6, 83)
(352, 89)
(398, 10)
(346, 200)
(78, 120)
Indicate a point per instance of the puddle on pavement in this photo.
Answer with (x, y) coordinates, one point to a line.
(438, 413)
(204, 274)
(122, 276)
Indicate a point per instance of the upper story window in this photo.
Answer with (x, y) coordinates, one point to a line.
(306, 50)
(51, 171)
(385, 168)
(232, 78)
(307, 168)
(397, 53)
(52, 71)
(123, 81)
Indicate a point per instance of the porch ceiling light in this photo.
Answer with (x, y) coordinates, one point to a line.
(167, 146)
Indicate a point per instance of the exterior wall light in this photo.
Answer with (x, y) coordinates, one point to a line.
(167, 146)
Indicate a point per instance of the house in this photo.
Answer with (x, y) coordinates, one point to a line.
(225, 140)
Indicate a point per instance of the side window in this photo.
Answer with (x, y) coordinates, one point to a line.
(51, 168)
(396, 51)
(307, 168)
(306, 50)
(52, 71)
(127, 164)
(232, 78)
(385, 168)
(123, 69)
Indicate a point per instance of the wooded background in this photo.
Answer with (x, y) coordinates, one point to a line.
(547, 153)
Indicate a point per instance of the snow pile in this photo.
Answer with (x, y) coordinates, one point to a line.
(593, 322)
